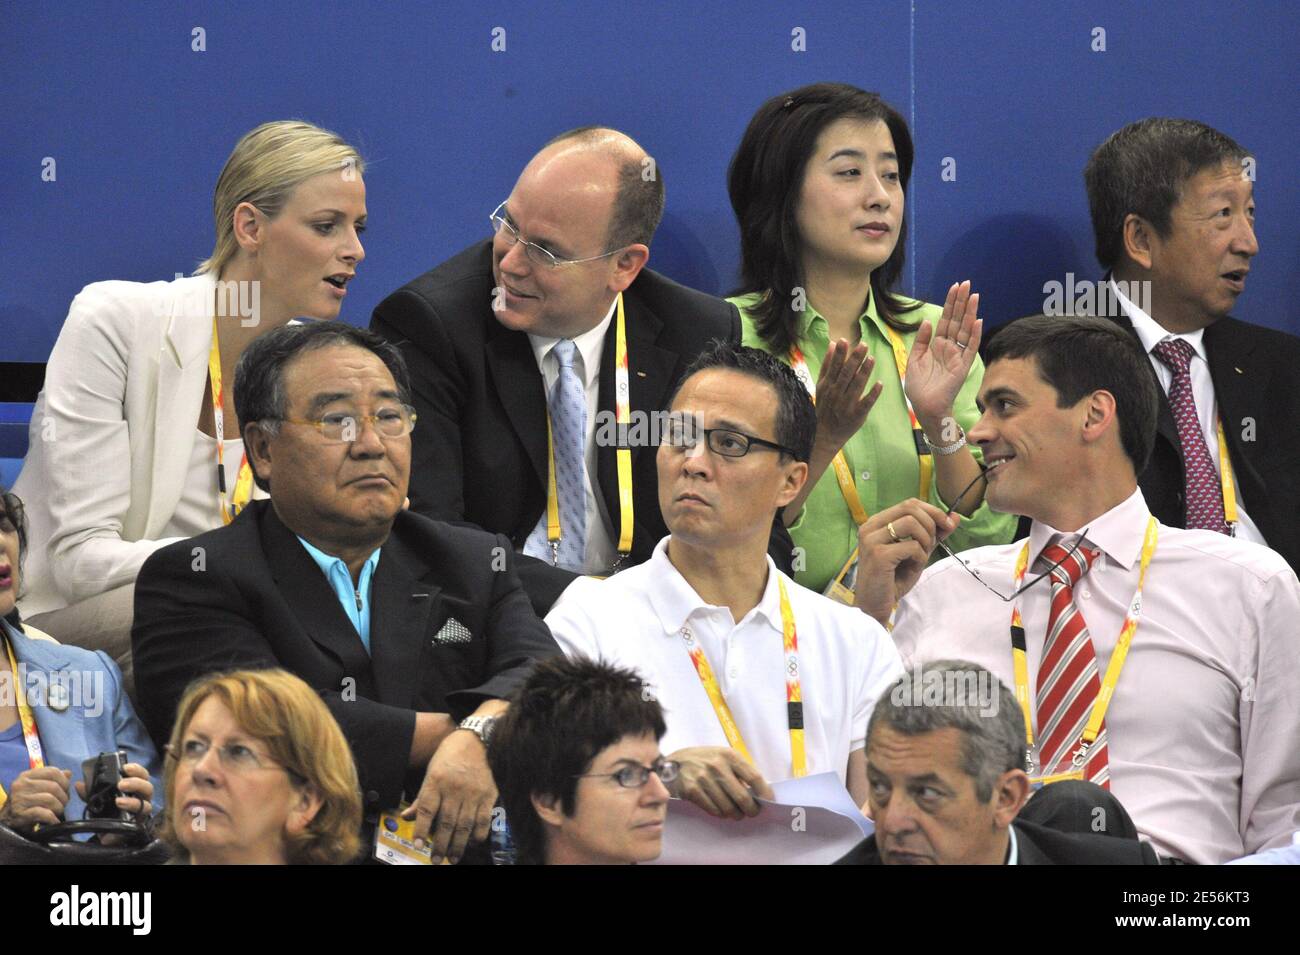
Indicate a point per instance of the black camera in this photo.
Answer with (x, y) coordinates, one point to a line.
(102, 774)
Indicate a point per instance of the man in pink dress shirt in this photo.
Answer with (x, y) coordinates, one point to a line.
(1201, 738)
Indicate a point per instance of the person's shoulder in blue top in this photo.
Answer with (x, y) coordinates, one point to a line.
(80, 710)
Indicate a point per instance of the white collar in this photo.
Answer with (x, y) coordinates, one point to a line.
(1151, 333)
(1118, 532)
(675, 599)
(1014, 857)
(590, 345)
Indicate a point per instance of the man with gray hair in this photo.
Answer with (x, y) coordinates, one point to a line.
(945, 750)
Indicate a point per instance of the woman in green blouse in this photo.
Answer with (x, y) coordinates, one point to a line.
(818, 185)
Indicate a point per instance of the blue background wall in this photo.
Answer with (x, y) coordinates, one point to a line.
(140, 124)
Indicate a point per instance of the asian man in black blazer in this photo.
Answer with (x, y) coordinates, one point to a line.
(413, 631)
(1173, 214)
(480, 331)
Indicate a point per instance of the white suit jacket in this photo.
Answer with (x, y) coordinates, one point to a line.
(112, 434)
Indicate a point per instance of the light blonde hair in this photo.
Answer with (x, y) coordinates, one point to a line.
(280, 710)
(264, 168)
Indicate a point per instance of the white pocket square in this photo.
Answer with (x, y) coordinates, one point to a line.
(453, 631)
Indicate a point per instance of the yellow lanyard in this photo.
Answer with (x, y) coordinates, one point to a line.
(844, 474)
(793, 690)
(926, 459)
(623, 455)
(1117, 657)
(244, 480)
(35, 756)
(1226, 479)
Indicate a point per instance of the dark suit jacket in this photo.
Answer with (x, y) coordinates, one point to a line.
(479, 446)
(1039, 846)
(257, 599)
(1254, 372)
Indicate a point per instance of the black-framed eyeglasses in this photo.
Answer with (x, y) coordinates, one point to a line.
(634, 777)
(502, 225)
(723, 441)
(976, 574)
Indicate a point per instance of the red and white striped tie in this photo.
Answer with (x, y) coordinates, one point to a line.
(1068, 683)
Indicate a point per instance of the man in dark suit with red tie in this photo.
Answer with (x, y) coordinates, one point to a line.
(520, 336)
(1173, 214)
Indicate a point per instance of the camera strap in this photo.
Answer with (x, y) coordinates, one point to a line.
(35, 756)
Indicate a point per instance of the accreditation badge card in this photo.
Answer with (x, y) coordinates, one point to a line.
(840, 589)
(1063, 770)
(395, 840)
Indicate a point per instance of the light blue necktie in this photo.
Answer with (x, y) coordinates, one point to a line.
(568, 404)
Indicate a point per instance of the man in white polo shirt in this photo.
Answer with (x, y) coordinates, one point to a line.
(760, 679)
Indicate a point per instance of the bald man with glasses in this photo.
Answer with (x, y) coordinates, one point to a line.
(534, 354)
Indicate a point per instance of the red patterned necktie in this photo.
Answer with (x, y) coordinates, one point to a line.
(1204, 492)
(1067, 675)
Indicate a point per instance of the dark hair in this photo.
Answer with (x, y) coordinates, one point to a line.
(1077, 356)
(559, 721)
(14, 513)
(796, 418)
(259, 375)
(639, 202)
(1141, 169)
(992, 743)
(764, 182)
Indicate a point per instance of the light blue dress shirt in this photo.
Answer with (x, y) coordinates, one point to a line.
(355, 600)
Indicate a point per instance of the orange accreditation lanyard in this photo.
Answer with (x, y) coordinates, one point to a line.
(244, 481)
(623, 455)
(35, 756)
(793, 691)
(1093, 728)
(844, 475)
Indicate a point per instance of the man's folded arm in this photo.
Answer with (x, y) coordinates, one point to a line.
(516, 636)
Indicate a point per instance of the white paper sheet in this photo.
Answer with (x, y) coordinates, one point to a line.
(812, 822)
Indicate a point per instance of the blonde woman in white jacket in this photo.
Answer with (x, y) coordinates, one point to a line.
(134, 442)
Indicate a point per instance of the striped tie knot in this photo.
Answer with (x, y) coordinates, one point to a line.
(1176, 354)
(1072, 566)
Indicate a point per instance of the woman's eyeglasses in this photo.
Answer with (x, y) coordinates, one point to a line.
(233, 757)
(634, 777)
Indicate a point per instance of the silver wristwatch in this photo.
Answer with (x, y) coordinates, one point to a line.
(947, 449)
(480, 726)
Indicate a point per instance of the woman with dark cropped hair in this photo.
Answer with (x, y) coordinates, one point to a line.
(577, 761)
(134, 440)
(818, 185)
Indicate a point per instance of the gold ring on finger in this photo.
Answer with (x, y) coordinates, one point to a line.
(892, 534)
